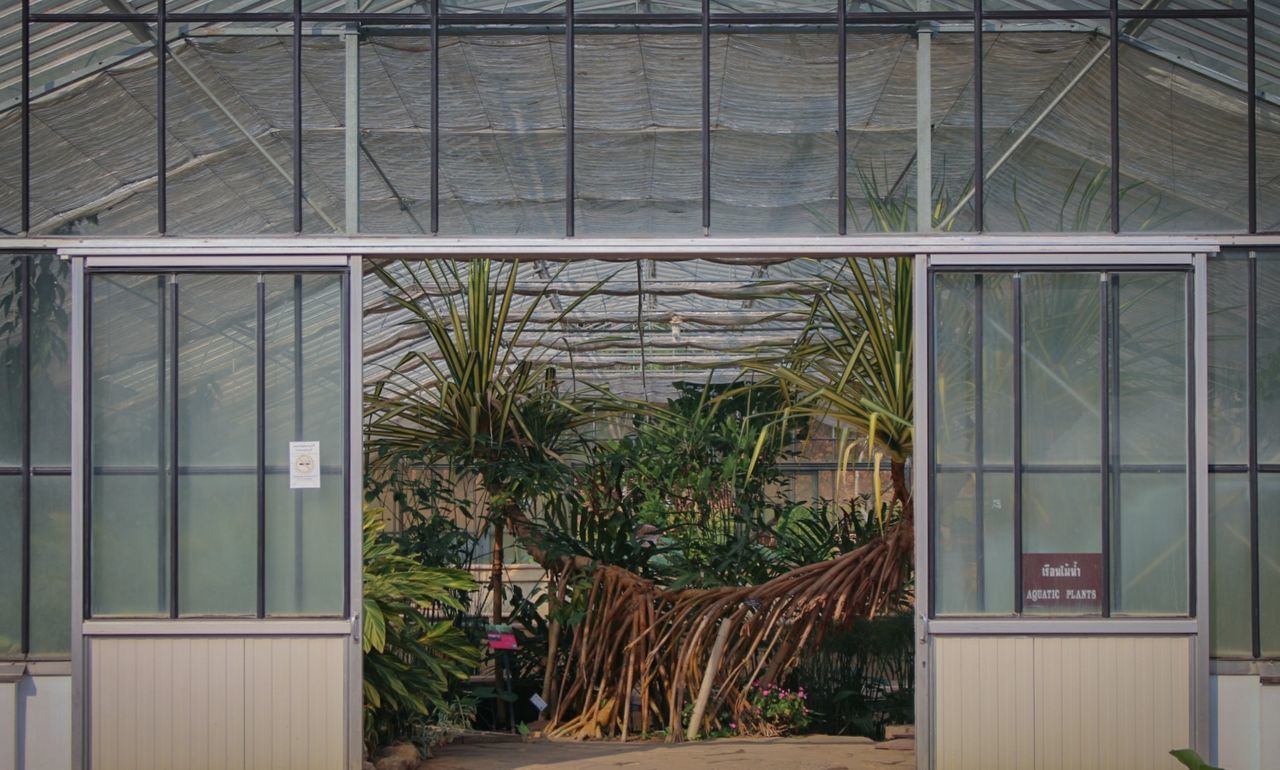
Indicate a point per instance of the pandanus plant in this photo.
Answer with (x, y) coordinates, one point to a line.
(853, 365)
(483, 396)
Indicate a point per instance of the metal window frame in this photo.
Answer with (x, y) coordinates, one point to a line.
(347, 625)
(26, 470)
(1108, 469)
(1194, 626)
(1252, 469)
(569, 20)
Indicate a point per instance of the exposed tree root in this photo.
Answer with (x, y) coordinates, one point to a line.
(651, 645)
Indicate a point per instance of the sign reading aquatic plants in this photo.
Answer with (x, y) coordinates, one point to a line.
(1065, 583)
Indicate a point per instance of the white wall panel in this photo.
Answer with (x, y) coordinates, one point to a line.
(44, 723)
(221, 703)
(1061, 702)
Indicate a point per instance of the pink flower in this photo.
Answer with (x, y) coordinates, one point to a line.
(733, 725)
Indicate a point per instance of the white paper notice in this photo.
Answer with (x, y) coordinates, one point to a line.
(304, 465)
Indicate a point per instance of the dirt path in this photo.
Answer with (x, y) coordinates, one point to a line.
(813, 752)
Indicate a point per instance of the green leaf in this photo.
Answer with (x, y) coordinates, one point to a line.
(1191, 759)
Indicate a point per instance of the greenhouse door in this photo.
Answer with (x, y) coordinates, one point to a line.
(1063, 584)
(217, 524)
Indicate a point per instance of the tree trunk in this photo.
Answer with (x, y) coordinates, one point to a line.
(495, 575)
(901, 490)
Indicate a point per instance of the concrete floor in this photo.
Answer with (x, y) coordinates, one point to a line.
(812, 752)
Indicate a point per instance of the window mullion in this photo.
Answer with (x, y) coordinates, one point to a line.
(1108, 292)
(1017, 441)
(298, 423)
(261, 442)
(172, 410)
(24, 298)
(1251, 369)
(979, 414)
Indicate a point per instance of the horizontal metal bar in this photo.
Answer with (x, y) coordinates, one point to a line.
(501, 19)
(15, 669)
(197, 627)
(1062, 468)
(947, 250)
(1227, 666)
(50, 470)
(95, 18)
(198, 257)
(1173, 259)
(196, 470)
(1089, 626)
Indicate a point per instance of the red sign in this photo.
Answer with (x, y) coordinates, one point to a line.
(1068, 583)
(501, 637)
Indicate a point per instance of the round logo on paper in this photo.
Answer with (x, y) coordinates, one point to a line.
(304, 464)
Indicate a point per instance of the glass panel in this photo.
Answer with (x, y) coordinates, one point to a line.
(305, 355)
(997, 368)
(954, 339)
(1048, 160)
(1058, 5)
(1269, 562)
(1183, 135)
(1228, 364)
(880, 108)
(773, 132)
(241, 6)
(898, 6)
(1060, 368)
(130, 545)
(101, 133)
(51, 565)
(549, 7)
(1268, 127)
(222, 181)
(395, 123)
(58, 7)
(951, 115)
(954, 538)
(11, 358)
(1149, 545)
(974, 571)
(217, 543)
(217, 444)
(10, 565)
(129, 548)
(50, 373)
(1185, 4)
(638, 118)
(953, 330)
(324, 150)
(1230, 600)
(1152, 368)
(502, 138)
(1268, 374)
(10, 119)
(1150, 520)
(1061, 525)
(366, 6)
(305, 567)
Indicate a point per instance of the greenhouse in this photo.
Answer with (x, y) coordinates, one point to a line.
(376, 372)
